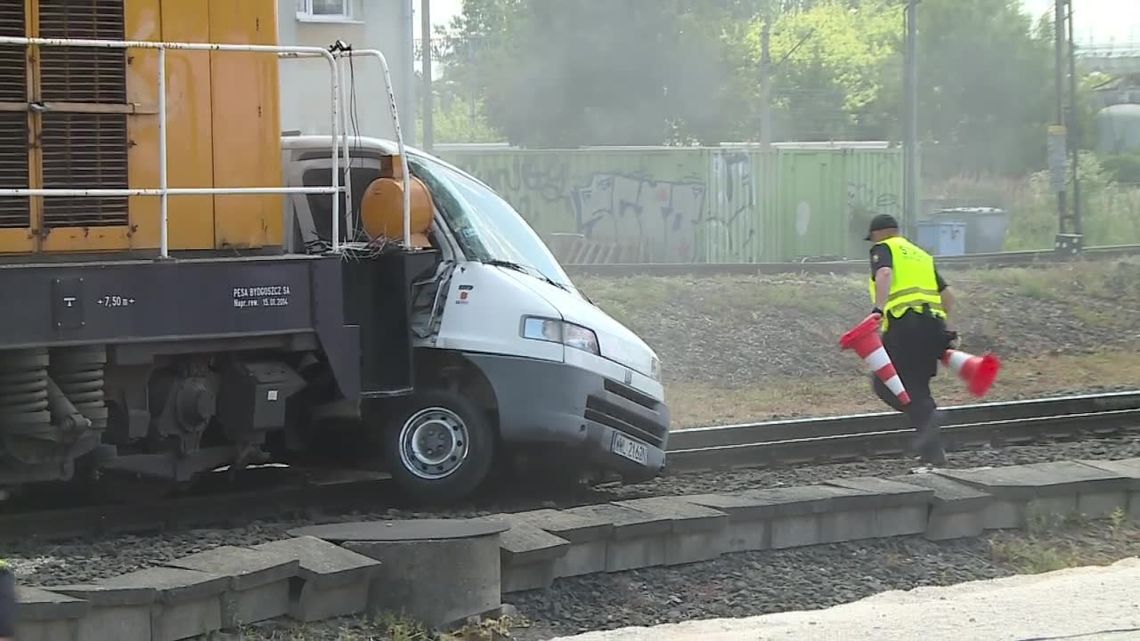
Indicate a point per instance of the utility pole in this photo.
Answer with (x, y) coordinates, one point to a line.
(1068, 240)
(429, 97)
(1074, 126)
(910, 137)
(766, 83)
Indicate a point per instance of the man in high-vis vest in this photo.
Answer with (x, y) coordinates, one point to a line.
(914, 302)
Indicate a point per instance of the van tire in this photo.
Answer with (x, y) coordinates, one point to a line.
(438, 446)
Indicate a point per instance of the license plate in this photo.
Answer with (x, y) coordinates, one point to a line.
(633, 450)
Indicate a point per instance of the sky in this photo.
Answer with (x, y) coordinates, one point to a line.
(1098, 21)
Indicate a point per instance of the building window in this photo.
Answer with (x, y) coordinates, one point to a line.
(332, 10)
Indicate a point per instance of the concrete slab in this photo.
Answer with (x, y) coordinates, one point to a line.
(957, 510)
(628, 523)
(588, 536)
(800, 500)
(248, 568)
(638, 539)
(120, 613)
(1039, 480)
(37, 604)
(948, 494)
(436, 580)
(527, 543)
(189, 602)
(405, 530)
(879, 492)
(527, 557)
(748, 529)
(331, 581)
(574, 527)
(686, 517)
(259, 581)
(697, 534)
(1128, 468)
(173, 585)
(323, 563)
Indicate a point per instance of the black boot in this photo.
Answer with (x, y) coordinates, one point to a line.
(930, 440)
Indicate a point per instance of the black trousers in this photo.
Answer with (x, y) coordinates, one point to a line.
(915, 342)
(7, 604)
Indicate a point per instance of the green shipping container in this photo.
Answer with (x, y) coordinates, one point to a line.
(679, 205)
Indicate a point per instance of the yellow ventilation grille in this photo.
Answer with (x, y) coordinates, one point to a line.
(80, 74)
(14, 212)
(83, 150)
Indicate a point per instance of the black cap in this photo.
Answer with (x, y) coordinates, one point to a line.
(880, 222)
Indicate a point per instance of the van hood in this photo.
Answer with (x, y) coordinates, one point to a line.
(616, 342)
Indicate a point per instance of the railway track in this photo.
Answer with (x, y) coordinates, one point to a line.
(999, 259)
(845, 438)
(307, 494)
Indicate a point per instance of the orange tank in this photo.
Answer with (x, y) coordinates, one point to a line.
(99, 126)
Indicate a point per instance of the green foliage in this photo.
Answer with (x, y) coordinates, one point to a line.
(831, 65)
(1122, 168)
(1110, 211)
(630, 72)
(457, 121)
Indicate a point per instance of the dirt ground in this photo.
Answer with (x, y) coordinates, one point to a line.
(753, 348)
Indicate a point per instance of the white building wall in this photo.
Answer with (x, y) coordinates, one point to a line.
(376, 24)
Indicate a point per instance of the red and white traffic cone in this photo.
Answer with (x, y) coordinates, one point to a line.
(978, 372)
(865, 340)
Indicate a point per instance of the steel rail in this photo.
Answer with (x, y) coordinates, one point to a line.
(806, 441)
(994, 260)
(856, 437)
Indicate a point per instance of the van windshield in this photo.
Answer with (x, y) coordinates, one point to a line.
(486, 227)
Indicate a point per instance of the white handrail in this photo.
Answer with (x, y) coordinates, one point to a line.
(164, 190)
(374, 53)
(392, 111)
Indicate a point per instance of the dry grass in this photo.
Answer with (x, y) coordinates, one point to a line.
(1052, 542)
(702, 404)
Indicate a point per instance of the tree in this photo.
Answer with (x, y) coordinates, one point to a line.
(985, 85)
(625, 72)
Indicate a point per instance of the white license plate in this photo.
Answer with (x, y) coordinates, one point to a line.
(630, 449)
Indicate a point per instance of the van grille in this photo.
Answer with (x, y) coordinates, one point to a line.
(627, 410)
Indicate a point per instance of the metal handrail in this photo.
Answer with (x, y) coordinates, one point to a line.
(164, 191)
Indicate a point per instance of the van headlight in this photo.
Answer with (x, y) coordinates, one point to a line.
(559, 331)
(655, 369)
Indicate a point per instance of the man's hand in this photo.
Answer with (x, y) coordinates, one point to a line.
(953, 341)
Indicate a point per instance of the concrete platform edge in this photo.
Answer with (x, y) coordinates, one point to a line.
(292, 576)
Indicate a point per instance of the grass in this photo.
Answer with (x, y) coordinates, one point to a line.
(385, 627)
(695, 404)
(1056, 542)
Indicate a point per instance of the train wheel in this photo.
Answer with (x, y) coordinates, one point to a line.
(439, 446)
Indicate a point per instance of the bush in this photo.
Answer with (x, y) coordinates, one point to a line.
(1110, 211)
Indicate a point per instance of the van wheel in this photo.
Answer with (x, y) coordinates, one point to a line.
(439, 446)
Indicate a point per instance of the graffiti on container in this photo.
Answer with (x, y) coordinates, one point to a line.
(661, 214)
(863, 197)
(731, 223)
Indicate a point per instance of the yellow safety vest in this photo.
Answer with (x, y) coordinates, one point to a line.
(913, 281)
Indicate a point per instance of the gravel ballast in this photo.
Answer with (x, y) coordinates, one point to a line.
(42, 564)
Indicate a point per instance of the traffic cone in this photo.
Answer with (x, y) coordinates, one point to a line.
(978, 372)
(865, 340)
